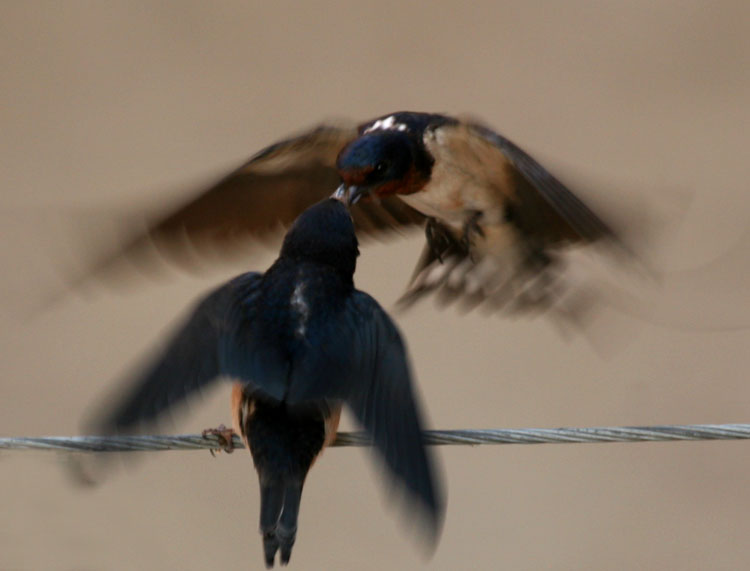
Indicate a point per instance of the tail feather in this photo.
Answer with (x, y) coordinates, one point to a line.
(270, 547)
(286, 532)
(271, 505)
(279, 509)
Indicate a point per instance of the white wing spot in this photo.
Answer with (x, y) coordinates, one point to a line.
(299, 305)
(387, 124)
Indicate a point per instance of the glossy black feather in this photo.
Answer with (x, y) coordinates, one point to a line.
(385, 404)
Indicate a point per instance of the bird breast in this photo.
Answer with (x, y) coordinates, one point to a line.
(468, 175)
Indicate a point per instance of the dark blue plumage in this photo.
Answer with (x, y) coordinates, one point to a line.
(380, 158)
(301, 341)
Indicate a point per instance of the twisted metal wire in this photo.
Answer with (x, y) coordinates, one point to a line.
(122, 443)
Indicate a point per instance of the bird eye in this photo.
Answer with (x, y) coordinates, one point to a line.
(381, 167)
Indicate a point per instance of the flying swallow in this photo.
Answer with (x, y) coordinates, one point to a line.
(495, 219)
(299, 341)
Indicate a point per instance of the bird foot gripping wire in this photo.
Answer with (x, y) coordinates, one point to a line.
(223, 436)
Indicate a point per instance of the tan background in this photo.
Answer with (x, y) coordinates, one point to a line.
(115, 107)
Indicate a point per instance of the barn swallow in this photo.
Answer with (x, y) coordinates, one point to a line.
(494, 218)
(299, 341)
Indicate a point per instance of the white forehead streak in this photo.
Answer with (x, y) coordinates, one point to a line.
(387, 124)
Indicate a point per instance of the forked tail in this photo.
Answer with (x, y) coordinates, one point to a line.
(279, 508)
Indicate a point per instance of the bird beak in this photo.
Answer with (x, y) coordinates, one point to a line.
(350, 194)
(341, 194)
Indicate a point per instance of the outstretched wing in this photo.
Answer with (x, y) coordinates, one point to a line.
(270, 190)
(189, 361)
(383, 401)
(546, 210)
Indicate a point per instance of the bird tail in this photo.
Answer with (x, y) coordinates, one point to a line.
(279, 508)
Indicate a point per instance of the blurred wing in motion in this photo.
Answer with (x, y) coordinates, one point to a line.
(268, 192)
(188, 362)
(383, 401)
(545, 211)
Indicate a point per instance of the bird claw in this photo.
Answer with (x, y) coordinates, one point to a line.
(471, 229)
(443, 243)
(224, 437)
(439, 239)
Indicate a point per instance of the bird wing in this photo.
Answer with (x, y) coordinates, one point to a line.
(545, 208)
(373, 377)
(189, 361)
(385, 403)
(270, 190)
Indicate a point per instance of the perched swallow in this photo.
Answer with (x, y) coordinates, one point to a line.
(300, 341)
(494, 218)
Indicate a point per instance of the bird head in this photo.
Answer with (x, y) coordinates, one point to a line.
(324, 233)
(382, 163)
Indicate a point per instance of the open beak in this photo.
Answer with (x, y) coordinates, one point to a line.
(350, 194)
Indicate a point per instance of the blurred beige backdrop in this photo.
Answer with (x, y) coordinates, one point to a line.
(112, 108)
